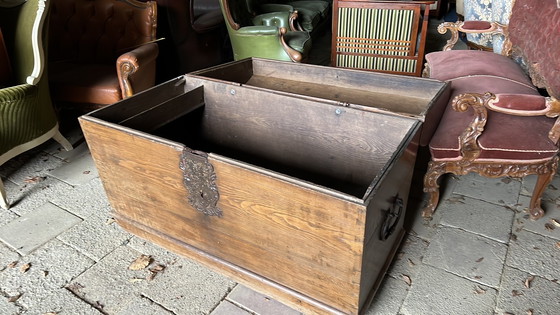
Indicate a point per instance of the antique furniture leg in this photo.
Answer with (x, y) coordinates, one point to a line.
(3, 199)
(435, 170)
(535, 209)
(58, 137)
(513, 128)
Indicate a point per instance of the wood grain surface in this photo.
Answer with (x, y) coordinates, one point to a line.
(304, 187)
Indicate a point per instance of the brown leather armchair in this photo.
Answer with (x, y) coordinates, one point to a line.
(101, 51)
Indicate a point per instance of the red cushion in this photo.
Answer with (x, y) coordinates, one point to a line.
(452, 64)
(505, 137)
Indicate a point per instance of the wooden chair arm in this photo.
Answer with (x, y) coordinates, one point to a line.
(294, 23)
(501, 103)
(275, 7)
(468, 143)
(294, 55)
(136, 69)
(474, 27)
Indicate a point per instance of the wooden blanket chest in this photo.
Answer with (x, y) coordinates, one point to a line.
(298, 197)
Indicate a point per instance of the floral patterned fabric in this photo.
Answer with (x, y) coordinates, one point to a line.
(501, 11)
(488, 10)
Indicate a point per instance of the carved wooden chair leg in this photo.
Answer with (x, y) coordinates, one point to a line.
(535, 209)
(435, 170)
(3, 197)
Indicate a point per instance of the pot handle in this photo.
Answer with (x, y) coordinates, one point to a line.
(392, 218)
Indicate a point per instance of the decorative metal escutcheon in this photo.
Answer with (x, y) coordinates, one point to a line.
(392, 218)
(200, 180)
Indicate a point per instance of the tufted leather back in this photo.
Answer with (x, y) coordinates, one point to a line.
(534, 28)
(98, 31)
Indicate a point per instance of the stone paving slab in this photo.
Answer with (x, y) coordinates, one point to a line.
(228, 308)
(34, 229)
(7, 216)
(478, 217)
(60, 301)
(551, 193)
(547, 225)
(80, 149)
(179, 285)
(186, 287)
(468, 255)
(437, 292)
(257, 303)
(31, 164)
(161, 254)
(95, 237)
(409, 257)
(141, 305)
(80, 171)
(500, 191)
(87, 200)
(75, 136)
(523, 293)
(9, 308)
(536, 254)
(110, 285)
(427, 228)
(7, 256)
(25, 199)
(389, 296)
(47, 269)
(195, 289)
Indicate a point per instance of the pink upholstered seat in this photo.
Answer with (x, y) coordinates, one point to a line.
(452, 64)
(506, 137)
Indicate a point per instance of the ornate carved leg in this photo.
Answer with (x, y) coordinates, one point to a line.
(435, 170)
(3, 198)
(535, 209)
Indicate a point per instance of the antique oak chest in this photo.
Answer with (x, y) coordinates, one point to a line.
(299, 197)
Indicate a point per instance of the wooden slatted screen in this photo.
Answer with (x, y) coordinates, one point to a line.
(378, 36)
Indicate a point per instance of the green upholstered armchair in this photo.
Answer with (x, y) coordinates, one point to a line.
(27, 117)
(313, 14)
(264, 35)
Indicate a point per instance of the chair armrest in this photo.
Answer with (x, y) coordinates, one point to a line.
(525, 105)
(11, 95)
(529, 105)
(468, 144)
(278, 19)
(512, 104)
(258, 30)
(270, 41)
(473, 27)
(136, 69)
(276, 7)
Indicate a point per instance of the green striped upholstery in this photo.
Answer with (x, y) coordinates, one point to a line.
(376, 39)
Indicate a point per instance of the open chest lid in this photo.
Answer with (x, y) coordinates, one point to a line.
(365, 90)
(345, 149)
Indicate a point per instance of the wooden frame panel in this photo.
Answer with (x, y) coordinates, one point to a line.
(371, 35)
